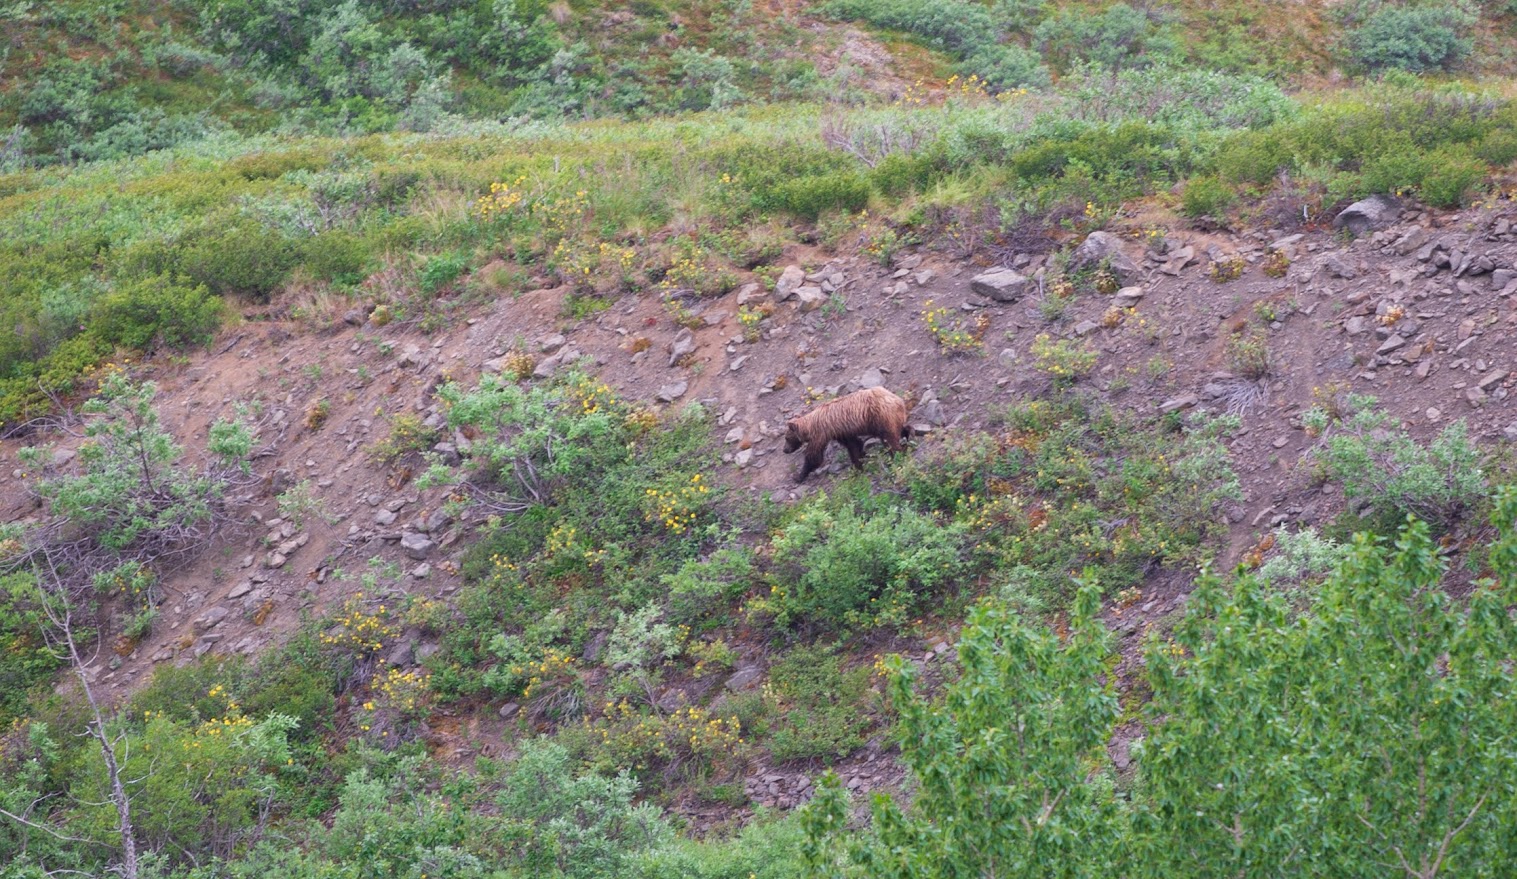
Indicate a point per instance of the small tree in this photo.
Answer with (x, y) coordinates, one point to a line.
(1369, 736)
(1008, 764)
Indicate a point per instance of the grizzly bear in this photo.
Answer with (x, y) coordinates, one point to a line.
(870, 412)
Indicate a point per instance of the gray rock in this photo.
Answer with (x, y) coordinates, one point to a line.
(211, 618)
(1356, 326)
(929, 411)
(744, 678)
(810, 296)
(872, 378)
(1179, 260)
(552, 343)
(422, 571)
(494, 365)
(508, 710)
(384, 517)
(1411, 242)
(1491, 379)
(275, 560)
(1391, 344)
(1127, 297)
(402, 654)
(1086, 327)
(1002, 285)
(683, 344)
(1375, 212)
(1184, 401)
(61, 457)
(790, 279)
(671, 392)
(353, 317)
(241, 589)
(750, 292)
(415, 545)
(437, 520)
(1104, 247)
(1339, 267)
(1502, 277)
(448, 453)
(411, 356)
(743, 458)
(735, 435)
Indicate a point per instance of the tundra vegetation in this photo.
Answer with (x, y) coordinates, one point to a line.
(174, 166)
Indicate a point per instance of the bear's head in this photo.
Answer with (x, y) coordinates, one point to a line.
(793, 438)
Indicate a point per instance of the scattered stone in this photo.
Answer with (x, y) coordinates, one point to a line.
(411, 356)
(737, 363)
(552, 343)
(810, 296)
(1357, 326)
(1375, 212)
(211, 619)
(1086, 327)
(422, 571)
(241, 589)
(671, 392)
(352, 317)
(1432, 413)
(1423, 370)
(744, 678)
(384, 517)
(508, 710)
(1179, 260)
(1002, 285)
(1127, 297)
(415, 545)
(872, 378)
(743, 458)
(735, 435)
(1339, 267)
(448, 453)
(1412, 241)
(1105, 248)
(925, 276)
(1184, 401)
(683, 344)
(930, 410)
(1389, 345)
(1495, 377)
(275, 560)
(789, 281)
(750, 292)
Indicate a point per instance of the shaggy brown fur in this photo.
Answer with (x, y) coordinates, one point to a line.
(849, 420)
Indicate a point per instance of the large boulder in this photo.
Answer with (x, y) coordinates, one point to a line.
(1375, 212)
(1104, 248)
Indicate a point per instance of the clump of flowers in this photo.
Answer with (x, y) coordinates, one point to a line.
(882, 242)
(408, 693)
(676, 509)
(1062, 359)
(502, 199)
(692, 739)
(1276, 264)
(520, 365)
(948, 329)
(1226, 270)
(749, 317)
(358, 630)
(592, 396)
(641, 420)
(592, 268)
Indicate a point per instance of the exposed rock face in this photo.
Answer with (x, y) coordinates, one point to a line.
(1375, 212)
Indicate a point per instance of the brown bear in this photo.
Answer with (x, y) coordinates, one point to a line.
(870, 412)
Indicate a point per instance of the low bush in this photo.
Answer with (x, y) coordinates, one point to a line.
(157, 311)
(1429, 36)
(840, 564)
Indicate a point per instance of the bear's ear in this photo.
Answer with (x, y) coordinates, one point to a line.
(793, 427)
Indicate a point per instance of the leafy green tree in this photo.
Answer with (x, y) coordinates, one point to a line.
(1368, 736)
(1414, 37)
(1004, 764)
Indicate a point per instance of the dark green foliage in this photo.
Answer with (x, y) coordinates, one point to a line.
(824, 714)
(1007, 764)
(809, 197)
(1120, 36)
(336, 256)
(1427, 36)
(969, 31)
(157, 311)
(842, 563)
(1206, 197)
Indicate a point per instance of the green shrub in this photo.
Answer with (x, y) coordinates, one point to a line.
(1453, 177)
(1120, 36)
(1429, 36)
(809, 197)
(336, 256)
(824, 715)
(1379, 463)
(841, 566)
(1206, 197)
(146, 313)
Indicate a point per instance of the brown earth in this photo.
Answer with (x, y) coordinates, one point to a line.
(1375, 315)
